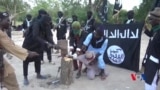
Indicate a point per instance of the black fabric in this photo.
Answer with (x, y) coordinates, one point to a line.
(35, 40)
(103, 11)
(37, 64)
(94, 42)
(3, 15)
(117, 7)
(123, 45)
(155, 4)
(131, 22)
(153, 49)
(77, 42)
(62, 30)
(91, 26)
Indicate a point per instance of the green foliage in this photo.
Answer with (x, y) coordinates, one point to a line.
(143, 10)
(71, 7)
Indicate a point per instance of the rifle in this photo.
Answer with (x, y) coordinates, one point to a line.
(1, 68)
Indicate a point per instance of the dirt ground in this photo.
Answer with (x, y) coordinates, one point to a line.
(118, 79)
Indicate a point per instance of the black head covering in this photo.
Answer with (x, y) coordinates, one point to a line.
(29, 16)
(60, 14)
(100, 29)
(41, 12)
(130, 14)
(89, 14)
(75, 18)
(3, 15)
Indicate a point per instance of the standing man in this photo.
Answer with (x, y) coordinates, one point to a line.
(89, 26)
(130, 17)
(97, 42)
(26, 24)
(6, 44)
(61, 27)
(36, 41)
(151, 62)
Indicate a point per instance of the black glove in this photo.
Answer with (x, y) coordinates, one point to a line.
(84, 48)
(32, 54)
(49, 45)
(56, 46)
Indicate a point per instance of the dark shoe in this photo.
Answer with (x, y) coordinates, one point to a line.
(75, 69)
(51, 62)
(84, 70)
(78, 75)
(26, 82)
(41, 77)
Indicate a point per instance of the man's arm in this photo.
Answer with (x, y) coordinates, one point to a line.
(88, 39)
(7, 44)
(103, 47)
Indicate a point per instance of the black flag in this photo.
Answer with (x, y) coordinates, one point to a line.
(156, 4)
(117, 6)
(103, 10)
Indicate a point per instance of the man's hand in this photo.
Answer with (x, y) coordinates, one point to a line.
(84, 48)
(56, 46)
(49, 45)
(32, 54)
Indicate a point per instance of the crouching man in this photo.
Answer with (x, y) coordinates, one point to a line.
(89, 59)
(97, 43)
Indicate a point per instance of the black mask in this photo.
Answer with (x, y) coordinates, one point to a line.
(89, 14)
(60, 14)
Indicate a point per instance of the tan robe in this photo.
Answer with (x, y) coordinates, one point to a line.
(8, 45)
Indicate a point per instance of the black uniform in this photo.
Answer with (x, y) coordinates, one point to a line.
(151, 61)
(36, 40)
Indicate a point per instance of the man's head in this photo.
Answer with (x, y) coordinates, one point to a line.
(76, 26)
(74, 17)
(99, 31)
(60, 14)
(29, 17)
(41, 13)
(154, 17)
(130, 14)
(89, 14)
(4, 20)
(90, 55)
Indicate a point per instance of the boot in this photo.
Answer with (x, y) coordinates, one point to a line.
(25, 82)
(39, 76)
(78, 74)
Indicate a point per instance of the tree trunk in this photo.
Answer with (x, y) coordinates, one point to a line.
(66, 76)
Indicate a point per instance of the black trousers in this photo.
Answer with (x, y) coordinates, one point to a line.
(37, 65)
(49, 54)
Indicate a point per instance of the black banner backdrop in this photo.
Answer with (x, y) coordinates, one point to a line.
(123, 45)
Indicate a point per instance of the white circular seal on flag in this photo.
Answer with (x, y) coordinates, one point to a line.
(115, 54)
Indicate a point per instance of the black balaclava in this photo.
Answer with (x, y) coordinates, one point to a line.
(89, 14)
(41, 12)
(29, 17)
(4, 15)
(99, 31)
(75, 18)
(130, 14)
(60, 14)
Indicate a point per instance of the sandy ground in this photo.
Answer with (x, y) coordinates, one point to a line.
(118, 79)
